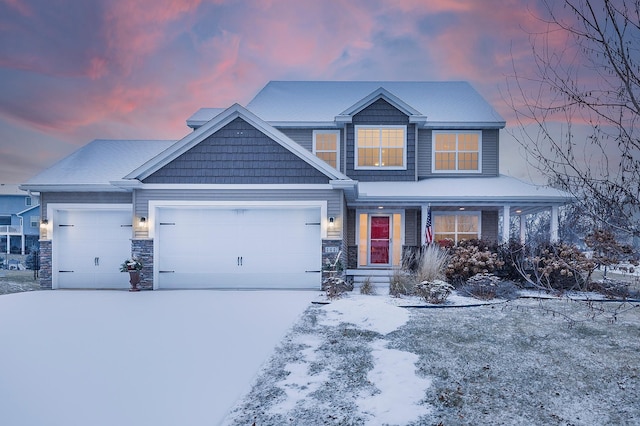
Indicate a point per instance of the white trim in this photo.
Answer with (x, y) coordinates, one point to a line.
(356, 129)
(233, 186)
(380, 93)
(456, 171)
(337, 150)
(380, 212)
(52, 216)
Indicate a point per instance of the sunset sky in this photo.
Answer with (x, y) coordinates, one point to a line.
(74, 71)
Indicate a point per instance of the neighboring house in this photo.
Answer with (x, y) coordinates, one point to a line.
(265, 196)
(19, 220)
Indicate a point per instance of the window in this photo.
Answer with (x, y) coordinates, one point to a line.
(5, 220)
(456, 227)
(27, 201)
(381, 147)
(456, 152)
(34, 221)
(325, 146)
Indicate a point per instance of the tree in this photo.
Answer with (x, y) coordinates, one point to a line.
(586, 75)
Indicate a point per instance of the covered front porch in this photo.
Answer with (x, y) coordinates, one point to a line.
(388, 218)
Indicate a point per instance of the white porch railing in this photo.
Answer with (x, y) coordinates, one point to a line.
(10, 229)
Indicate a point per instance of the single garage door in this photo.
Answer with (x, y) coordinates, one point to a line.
(89, 246)
(238, 248)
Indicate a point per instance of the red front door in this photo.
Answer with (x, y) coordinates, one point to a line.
(380, 239)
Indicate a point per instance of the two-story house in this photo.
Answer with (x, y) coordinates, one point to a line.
(19, 220)
(262, 196)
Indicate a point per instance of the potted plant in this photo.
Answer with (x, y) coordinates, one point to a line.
(133, 266)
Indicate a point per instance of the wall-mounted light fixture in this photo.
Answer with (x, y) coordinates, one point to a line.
(331, 221)
(44, 222)
(142, 221)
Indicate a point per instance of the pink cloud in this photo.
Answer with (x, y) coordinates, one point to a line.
(19, 6)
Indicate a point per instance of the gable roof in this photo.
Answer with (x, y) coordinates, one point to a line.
(450, 103)
(329, 103)
(95, 165)
(217, 123)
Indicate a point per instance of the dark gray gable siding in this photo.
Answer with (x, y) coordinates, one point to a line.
(238, 154)
(303, 137)
(490, 157)
(378, 113)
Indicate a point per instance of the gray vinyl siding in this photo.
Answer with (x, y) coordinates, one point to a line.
(334, 201)
(47, 198)
(380, 113)
(238, 154)
(490, 155)
(411, 228)
(303, 137)
(489, 230)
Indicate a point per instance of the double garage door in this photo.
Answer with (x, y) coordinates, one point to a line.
(238, 248)
(203, 247)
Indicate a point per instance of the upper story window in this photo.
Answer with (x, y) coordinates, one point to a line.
(5, 220)
(34, 221)
(457, 152)
(381, 147)
(27, 201)
(325, 146)
(456, 227)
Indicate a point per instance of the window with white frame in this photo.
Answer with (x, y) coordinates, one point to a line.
(458, 152)
(28, 201)
(34, 221)
(380, 147)
(325, 146)
(456, 227)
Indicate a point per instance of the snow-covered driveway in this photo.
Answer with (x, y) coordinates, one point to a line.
(153, 358)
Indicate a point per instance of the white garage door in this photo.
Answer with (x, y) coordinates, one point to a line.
(238, 248)
(89, 247)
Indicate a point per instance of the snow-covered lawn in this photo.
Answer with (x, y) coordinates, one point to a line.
(185, 357)
(78, 358)
(363, 360)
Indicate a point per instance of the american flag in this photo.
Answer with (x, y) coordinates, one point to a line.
(428, 232)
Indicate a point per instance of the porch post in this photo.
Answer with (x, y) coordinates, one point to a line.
(423, 224)
(523, 228)
(506, 222)
(554, 224)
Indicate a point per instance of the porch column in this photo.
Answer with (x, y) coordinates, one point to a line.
(554, 224)
(523, 228)
(423, 224)
(506, 222)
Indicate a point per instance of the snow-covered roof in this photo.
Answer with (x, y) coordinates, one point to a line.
(497, 190)
(443, 102)
(203, 115)
(328, 103)
(11, 189)
(96, 165)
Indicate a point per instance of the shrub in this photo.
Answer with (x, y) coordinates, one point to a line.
(611, 289)
(400, 283)
(367, 287)
(436, 291)
(335, 287)
(469, 258)
(482, 286)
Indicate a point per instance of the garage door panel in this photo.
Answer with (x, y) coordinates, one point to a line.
(90, 245)
(239, 248)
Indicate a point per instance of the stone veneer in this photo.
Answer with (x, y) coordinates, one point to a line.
(143, 250)
(45, 273)
(330, 249)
